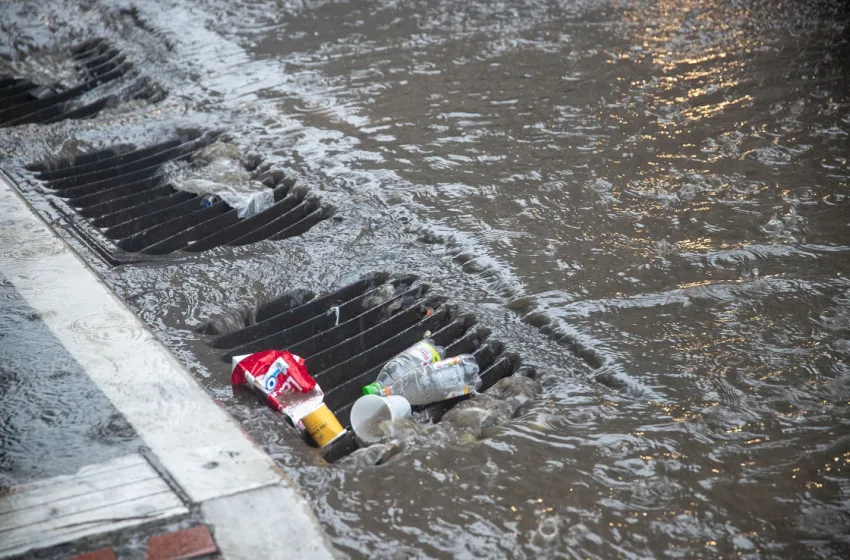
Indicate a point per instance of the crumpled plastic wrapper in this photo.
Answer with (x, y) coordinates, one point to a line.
(222, 173)
(298, 405)
(281, 378)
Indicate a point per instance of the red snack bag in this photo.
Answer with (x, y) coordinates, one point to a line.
(274, 372)
(282, 379)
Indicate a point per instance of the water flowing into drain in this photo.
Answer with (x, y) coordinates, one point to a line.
(346, 336)
(129, 201)
(97, 63)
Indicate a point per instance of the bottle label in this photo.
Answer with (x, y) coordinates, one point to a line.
(424, 352)
(459, 393)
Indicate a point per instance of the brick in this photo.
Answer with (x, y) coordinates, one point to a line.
(189, 543)
(102, 554)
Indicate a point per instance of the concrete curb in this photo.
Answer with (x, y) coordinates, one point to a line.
(240, 489)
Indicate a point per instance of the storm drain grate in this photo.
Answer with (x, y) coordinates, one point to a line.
(96, 63)
(346, 337)
(127, 198)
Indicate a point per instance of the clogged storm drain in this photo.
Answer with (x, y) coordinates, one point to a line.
(142, 203)
(346, 337)
(95, 63)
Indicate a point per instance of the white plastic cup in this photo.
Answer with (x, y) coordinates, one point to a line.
(369, 411)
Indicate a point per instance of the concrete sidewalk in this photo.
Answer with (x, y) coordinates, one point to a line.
(181, 455)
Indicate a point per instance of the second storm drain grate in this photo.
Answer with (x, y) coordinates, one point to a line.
(346, 337)
(96, 63)
(126, 198)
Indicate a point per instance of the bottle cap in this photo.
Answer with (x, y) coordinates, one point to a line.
(374, 389)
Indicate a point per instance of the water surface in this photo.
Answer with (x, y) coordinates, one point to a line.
(661, 187)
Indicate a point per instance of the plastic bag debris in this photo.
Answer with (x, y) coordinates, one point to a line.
(222, 174)
(382, 295)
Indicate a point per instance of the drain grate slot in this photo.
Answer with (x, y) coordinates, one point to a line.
(330, 341)
(124, 168)
(322, 331)
(44, 169)
(384, 349)
(280, 313)
(151, 209)
(184, 237)
(126, 195)
(103, 159)
(228, 236)
(158, 233)
(83, 197)
(128, 201)
(96, 63)
(186, 203)
(370, 345)
(296, 211)
(346, 336)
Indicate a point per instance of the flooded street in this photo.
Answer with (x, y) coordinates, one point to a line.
(648, 201)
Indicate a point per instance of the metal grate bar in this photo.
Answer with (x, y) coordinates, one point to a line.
(183, 205)
(9, 81)
(33, 111)
(247, 225)
(278, 314)
(301, 227)
(87, 47)
(16, 92)
(53, 165)
(81, 197)
(125, 192)
(126, 201)
(290, 218)
(82, 112)
(130, 164)
(82, 166)
(160, 232)
(321, 331)
(140, 210)
(333, 340)
(410, 333)
(99, 65)
(181, 239)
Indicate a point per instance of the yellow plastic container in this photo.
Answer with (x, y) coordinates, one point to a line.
(323, 426)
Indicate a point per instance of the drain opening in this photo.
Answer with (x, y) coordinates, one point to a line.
(346, 337)
(96, 63)
(126, 199)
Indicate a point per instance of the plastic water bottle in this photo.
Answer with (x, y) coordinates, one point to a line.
(439, 381)
(420, 354)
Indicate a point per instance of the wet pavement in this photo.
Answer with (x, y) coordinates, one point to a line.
(648, 201)
(54, 418)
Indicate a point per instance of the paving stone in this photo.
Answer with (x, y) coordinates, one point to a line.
(102, 554)
(189, 543)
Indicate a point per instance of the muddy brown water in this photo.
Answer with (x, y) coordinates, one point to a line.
(647, 200)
